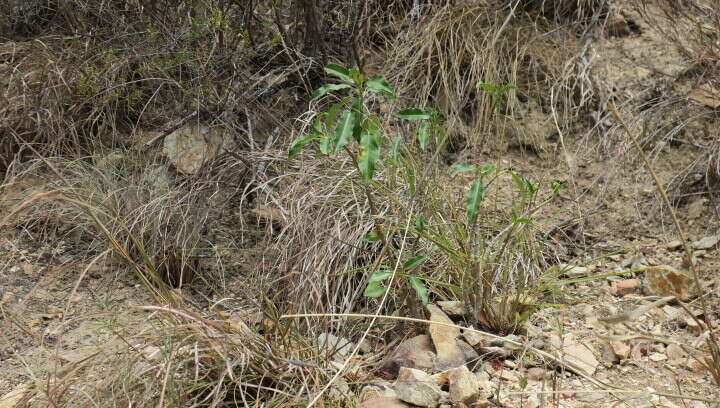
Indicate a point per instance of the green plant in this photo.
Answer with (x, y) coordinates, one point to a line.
(474, 258)
(496, 90)
(348, 126)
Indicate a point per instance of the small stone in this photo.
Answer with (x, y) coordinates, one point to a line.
(577, 271)
(675, 354)
(665, 280)
(672, 312)
(415, 352)
(639, 350)
(624, 287)
(335, 344)
(674, 245)
(578, 354)
(384, 402)
(449, 354)
(607, 354)
(706, 242)
(417, 388)
(484, 382)
(473, 338)
(533, 401)
(695, 366)
(453, 307)
(656, 357)
(381, 389)
(463, 384)
(537, 374)
(621, 350)
(468, 351)
(482, 404)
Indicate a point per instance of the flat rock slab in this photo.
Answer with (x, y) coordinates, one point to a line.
(448, 351)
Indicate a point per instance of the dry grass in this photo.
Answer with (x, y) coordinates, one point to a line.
(438, 59)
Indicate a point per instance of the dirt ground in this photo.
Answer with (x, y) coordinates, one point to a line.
(49, 321)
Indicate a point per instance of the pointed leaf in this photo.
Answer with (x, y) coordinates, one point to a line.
(368, 156)
(414, 114)
(420, 223)
(424, 134)
(344, 130)
(339, 71)
(379, 84)
(320, 92)
(475, 198)
(413, 262)
(380, 276)
(487, 87)
(325, 144)
(332, 113)
(395, 147)
(462, 168)
(300, 142)
(486, 169)
(357, 108)
(374, 290)
(372, 236)
(420, 289)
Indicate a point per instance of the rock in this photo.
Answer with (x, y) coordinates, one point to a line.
(417, 388)
(484, 382)
(665, 280)
(706, 242)
(639, 350)
(621, 350)
(607, 354)
(473, 338)
(415, 352)
(577, 271)
(624, 287)
(334, 344)
(464, 385)
(674, 245)
(453, 307)
(537, 374)
(675, 354)
(448, 352)
(381, 389)
(656, 357)
(191, 146)
(579, 355)
(672, 312)
(533, 401)
(384, 402)
(469, 352)
(340, 390)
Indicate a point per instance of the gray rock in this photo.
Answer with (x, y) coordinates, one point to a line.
(415, 352)
(449, 353)
(335, 344)
(464, 385)
(418, 388)
(706, 242)
(453, 307)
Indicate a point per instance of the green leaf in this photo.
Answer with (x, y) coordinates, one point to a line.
(424, 134)
(380, 276)
(420, 223)
(325, 144)
(357, 77)
(395, 147)
(413, 262)
(414, 114)
(475, 197)
(375, 287)
(344, 130)
(462, 168)
(332, 113)
(339, 71)
(522, 220)
(420, 289)
(506, 88)
(374, 290)
(320, 92)
(300, 142)
(379, 84)
(357, 108)
(487, 87)
(368, 156)
(487, 169)
(372, 236)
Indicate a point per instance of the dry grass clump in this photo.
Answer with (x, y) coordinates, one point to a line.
(172, 357)
(149, 216)
(441, 56)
